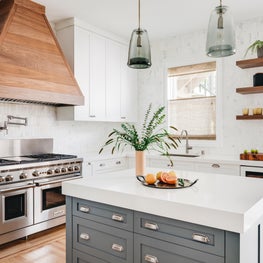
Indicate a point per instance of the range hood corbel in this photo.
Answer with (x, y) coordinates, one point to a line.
(33, 68)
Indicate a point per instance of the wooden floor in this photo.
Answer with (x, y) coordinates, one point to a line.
(44, 247)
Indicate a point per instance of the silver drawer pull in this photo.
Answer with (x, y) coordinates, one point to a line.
(92, 116)
(215, 165)
(118, 162)
(84, 209)
(102, 164)
(150, 258)
(84, 236)
(152, 226)
(200, 237)
(118, 218)
(117, 247)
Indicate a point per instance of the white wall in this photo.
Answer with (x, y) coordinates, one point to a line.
(83, 138)
(234, 136)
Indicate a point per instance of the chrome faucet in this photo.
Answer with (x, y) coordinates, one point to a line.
(187, 147)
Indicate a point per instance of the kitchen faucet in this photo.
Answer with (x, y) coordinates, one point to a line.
(187, 147)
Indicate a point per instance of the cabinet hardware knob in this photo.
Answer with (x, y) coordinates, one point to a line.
(152, 226)
(118, 218)
(117, 247)
(118, 162)
(201, 238)
(215, 165)
(102, 164)
(84, 209)
(84, 236)
(150, 258)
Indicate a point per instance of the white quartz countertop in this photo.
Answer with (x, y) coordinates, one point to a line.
(226, 202)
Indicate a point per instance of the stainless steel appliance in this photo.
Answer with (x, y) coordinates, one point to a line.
(31, 199)
(251, 171)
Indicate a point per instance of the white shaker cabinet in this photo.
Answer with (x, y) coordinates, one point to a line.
(99, 63)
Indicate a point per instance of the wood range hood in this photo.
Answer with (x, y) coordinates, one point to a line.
(33, 68)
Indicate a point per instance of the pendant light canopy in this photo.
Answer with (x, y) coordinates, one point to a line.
(139, 50)
(221, 35)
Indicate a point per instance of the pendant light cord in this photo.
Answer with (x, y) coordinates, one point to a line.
(139, 13)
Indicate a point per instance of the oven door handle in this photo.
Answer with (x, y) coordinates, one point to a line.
(17, 188)
(57, 181)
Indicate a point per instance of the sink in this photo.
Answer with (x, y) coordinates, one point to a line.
(184, 155)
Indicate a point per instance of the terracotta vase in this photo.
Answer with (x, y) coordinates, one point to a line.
(140, 162)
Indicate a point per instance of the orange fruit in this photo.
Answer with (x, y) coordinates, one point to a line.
(172, 173)
(158, 175)
(163, 176)
(150, 178)
(171, 179)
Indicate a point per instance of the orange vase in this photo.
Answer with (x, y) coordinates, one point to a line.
(140, 162)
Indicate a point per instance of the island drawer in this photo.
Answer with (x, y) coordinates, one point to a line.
(198, 237)
(101, 241)
(80, 257)
(152, 250)
(105, 214)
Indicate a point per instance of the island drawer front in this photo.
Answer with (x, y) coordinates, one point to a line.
(219, 168)
(199, 237)
(157, 251)
(106, 243)
(80, 257)
(105, 214)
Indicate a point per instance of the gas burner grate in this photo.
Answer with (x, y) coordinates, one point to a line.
(50, 156)
(7, 162)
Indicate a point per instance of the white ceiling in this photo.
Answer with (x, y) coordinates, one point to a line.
(161, 18)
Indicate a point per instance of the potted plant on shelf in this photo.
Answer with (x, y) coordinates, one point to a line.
(257, 46)
(151, 137)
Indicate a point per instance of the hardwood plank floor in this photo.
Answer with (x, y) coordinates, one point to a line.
(44, 247)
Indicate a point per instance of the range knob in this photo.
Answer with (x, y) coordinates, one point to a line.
(9, 178)
(76, 168)
(36, 173)
(50, 171)
(57, 170)
(23, 176)
(63, 169)
(2, 179)
(70, 168)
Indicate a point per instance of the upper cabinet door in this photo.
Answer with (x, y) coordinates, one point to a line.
(97, 77)
(129, 99)
(113, 81)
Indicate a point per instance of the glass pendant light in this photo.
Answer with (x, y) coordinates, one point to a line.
(139, 51)
(221, 35)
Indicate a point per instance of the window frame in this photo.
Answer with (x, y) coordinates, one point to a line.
(198, 141)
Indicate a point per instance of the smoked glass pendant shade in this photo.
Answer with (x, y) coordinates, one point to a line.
(221, 34)
(139, 50)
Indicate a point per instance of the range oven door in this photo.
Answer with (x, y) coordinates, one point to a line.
(49, 201)
(16, 207)
(251, 171)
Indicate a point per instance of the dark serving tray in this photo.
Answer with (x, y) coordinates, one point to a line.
(181, 183)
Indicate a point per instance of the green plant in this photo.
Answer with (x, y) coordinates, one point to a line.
(253, 47)
(151, 137)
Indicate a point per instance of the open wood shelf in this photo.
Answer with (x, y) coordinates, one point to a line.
(250, 90)
(250, 63)
(249, 117)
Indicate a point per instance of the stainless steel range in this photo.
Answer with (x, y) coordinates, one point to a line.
(31, 199)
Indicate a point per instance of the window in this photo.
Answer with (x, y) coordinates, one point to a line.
(192, 99)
